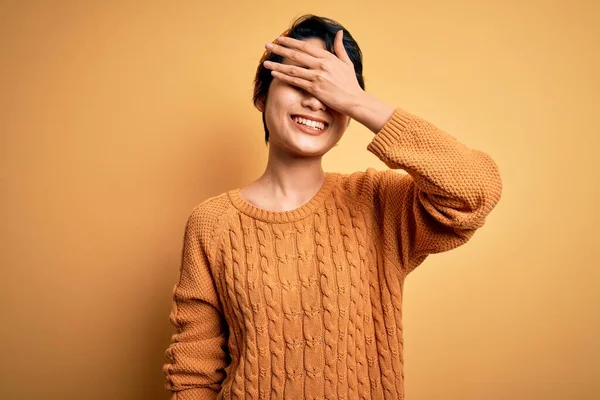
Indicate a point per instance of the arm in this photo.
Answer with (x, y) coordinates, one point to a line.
(444, 199)
(450, 188)
(197, 354)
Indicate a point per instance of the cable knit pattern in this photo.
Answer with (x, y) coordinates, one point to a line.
(307, 303)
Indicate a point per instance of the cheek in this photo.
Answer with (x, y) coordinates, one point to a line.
(342, 122)
(283, 95)
(280, 103)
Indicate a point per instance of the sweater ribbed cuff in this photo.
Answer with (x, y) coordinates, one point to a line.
(395, 131)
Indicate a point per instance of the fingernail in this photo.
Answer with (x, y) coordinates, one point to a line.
(269, 45)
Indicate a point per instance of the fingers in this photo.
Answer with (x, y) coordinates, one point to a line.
(296, 55)
(293, 80)
(307, 54)
(338, 46)
(303, 46)
(290, 70)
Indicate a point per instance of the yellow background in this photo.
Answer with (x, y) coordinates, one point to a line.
(117, 117)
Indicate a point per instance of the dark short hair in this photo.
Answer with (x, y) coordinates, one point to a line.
(305, 27)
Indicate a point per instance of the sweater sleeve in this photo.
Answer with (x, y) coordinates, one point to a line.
(445, 197)
(197, 355)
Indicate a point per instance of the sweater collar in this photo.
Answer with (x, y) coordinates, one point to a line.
(284, 216)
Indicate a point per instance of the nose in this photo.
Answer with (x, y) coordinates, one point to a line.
(310, 101)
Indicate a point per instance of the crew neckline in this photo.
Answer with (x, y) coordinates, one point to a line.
(284, 216)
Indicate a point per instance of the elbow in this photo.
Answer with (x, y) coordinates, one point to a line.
(490, 187)
(487, 194)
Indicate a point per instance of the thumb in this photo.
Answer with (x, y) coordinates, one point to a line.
(338, 46)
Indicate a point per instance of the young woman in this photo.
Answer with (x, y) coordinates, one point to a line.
(291, 287)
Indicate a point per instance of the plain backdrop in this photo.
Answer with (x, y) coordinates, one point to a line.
(117, 117)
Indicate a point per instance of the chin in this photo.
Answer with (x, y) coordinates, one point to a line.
(309, 151)
(310, 146)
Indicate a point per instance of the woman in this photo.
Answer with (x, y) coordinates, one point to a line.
(291, 287)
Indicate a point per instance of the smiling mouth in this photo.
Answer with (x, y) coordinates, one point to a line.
(314, 128)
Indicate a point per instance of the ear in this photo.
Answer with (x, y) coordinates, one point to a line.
(260, 104)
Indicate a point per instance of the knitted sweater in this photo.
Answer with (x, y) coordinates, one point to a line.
(306, 304)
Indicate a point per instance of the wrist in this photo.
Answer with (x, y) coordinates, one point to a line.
(370, 111)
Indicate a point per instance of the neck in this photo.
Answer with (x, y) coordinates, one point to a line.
(295, 179)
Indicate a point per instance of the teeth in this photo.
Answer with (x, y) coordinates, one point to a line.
(308, 122)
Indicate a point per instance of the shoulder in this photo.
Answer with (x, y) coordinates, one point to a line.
(207, 216)
(365, 185)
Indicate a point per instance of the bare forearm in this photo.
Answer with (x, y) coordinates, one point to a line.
(371, 112)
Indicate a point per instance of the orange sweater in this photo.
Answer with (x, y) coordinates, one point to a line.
(306, 304)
